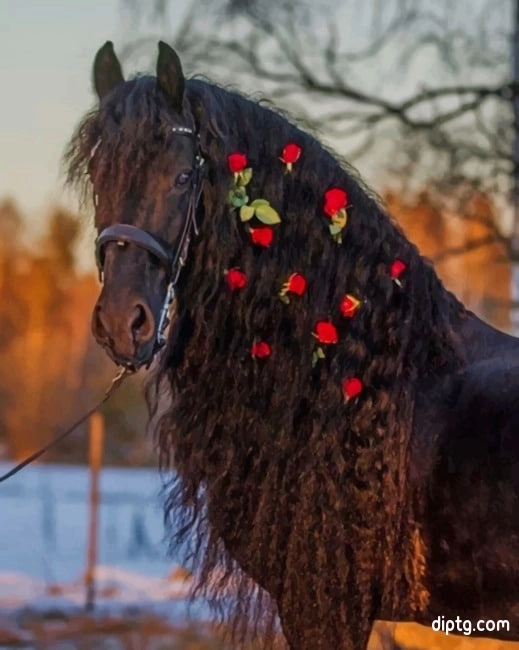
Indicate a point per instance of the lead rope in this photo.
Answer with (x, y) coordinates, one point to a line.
(116, 382)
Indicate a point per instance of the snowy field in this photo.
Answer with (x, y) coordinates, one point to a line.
(43, 532)
(44, 520)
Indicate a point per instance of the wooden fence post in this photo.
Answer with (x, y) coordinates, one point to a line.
(95, 456)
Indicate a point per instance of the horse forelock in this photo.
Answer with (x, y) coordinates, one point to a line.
(117, 140)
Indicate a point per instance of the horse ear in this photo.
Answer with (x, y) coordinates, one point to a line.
(170, 77)
(107, 70)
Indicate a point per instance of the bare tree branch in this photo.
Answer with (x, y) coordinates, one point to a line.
(467, 247)
(453, 130)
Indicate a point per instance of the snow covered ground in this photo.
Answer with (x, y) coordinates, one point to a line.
(43, 531)
(43, 523)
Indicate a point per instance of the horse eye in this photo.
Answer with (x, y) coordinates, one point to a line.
(182, 178)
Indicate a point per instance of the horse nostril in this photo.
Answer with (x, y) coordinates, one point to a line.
(139, 318)
(98, 327)
(142, 324)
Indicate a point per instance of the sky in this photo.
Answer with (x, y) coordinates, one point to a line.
(46, 53)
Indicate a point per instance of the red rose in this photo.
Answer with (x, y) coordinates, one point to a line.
(236, 279)
(351, 387)
(296, 284)
(262, 236)
(325, 332)
(349, 306)
(237, 162)
(291, 153)
(334, 200)
(260, 350)
(397, 268)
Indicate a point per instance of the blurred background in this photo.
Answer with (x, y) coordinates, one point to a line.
(422, 98)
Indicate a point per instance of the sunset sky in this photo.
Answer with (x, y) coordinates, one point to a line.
(46, 53)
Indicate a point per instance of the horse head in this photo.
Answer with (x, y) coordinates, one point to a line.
(145, 175)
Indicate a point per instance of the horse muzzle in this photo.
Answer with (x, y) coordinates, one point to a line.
(128, 334)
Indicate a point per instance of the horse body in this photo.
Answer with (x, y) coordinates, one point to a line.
(466, 457)
(321, 509)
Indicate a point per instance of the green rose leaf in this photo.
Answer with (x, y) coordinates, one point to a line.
(238, 201)
(245, 176)
(340, 218)
(267, 215)
(335, 229)
(317, 355)
(258, 202)
(246, 213)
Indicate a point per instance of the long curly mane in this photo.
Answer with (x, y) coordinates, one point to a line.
(276, 478)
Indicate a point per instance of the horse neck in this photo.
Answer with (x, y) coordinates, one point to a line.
(477, 340)
(482, 341)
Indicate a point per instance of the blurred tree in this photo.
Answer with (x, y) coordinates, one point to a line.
(432, 88)
(38, 356)
(11, 225)
(12, 254)
(352, 70)
(12, 311)
(63, 232)
(481, 275)
(51, 369)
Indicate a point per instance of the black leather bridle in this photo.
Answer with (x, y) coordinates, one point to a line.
(172, 260)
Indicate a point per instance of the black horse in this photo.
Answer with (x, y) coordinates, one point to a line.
(342, 429)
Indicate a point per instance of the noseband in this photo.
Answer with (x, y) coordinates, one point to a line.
(171, 260)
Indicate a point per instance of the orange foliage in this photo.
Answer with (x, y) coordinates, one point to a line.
(51, 370)
(479, 277)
